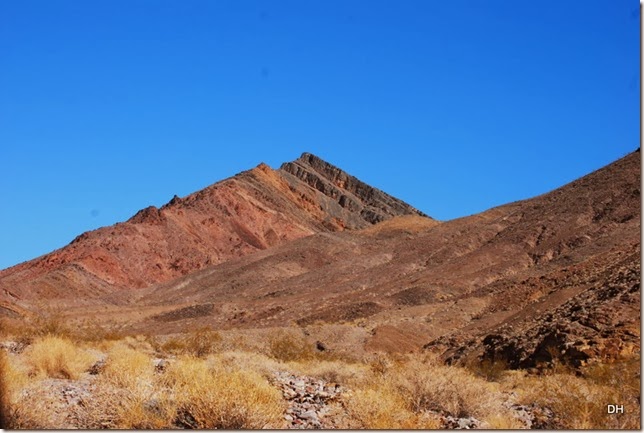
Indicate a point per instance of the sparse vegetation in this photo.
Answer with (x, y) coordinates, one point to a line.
(194, 383)
(57, 358)
(286, 346)
(199, 343)
(487, 369)
(581, 401)
(379, 405)
(213, 397)
(4, 390)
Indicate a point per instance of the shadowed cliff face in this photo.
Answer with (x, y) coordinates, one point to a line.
(249, 212)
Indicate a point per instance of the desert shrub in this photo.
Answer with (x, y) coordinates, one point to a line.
(128, 393)
(452, 391)
(4, 391)
(415, 391)
(381, 406)
(30, 413)
(199, 343)
(57, 357)
(212, 398)
(503, 421)
(127, 368)
(120, 408)
(14, 328)
(331, 371)
(381, 364)
(238, 360)
(492, 371)
(581, 402)
(285, 346)
(622, 374)
(92, 331)
(51, 322)
(15, 375)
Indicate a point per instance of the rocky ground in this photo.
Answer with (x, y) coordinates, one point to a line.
(311, 403)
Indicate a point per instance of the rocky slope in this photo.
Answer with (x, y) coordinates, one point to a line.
(497, 284)
(251, 211)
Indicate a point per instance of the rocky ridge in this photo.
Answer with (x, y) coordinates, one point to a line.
(365, 203)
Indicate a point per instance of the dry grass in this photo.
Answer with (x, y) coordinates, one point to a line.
(4, 391)
(57, 358)
(206, 387)
(381, 406)
(53, 323)
(191, 393)
(199, 343)
(492, 371)
(581, 402)
(287, 346)
(128, 368)
(448, 390)
(127, 393)
(13, 379)
(404, 392)
(333, 371)
(120, 408)
(218, 398)
(247, 361)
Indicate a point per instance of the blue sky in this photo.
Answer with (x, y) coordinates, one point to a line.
(453, 106)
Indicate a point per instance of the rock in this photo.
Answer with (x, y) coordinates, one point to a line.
(160, 365)
(97, 367)
(320, 346)
(309, 415)
(451, 422)
(289, 394)
(357, 203)
(307, 399)
(14, 346)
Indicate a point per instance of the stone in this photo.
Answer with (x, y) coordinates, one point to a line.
(97, 367)
(310, 415)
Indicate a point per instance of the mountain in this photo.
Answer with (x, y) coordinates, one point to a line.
(560, 270)
(246, 213)
(359, 270)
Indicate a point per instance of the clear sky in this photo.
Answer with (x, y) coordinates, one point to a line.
(108, 106)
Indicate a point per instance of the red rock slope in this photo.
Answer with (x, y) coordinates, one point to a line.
(250, 211)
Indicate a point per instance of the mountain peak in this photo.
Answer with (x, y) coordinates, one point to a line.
(253, 210)
(372, 204)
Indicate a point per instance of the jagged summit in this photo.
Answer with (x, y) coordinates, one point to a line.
(369, 204)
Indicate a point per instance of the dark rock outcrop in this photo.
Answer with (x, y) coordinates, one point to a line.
(363, 203)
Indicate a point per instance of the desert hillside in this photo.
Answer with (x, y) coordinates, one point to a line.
(303, 298)
(249, 212)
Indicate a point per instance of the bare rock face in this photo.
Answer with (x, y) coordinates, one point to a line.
(343, 194)
(599, 323)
